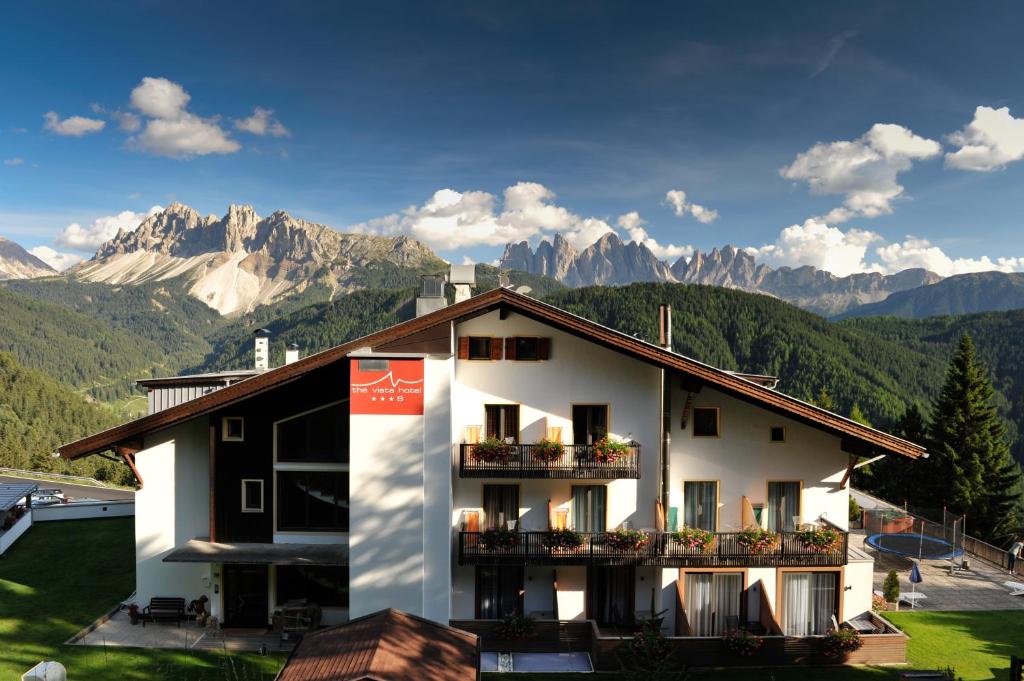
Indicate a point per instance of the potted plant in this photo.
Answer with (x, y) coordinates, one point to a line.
(756, 540)
(514, 627)
(133, 613)
(498, 538)
(548, 451)
(493, 450)
(624, 540)
(607, 450)
(560, 540)
(841, 642)
(694, 538)
(742, 642)
(821, 540)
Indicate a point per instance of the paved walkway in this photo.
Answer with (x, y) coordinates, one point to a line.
(980, 588)
(119, 631)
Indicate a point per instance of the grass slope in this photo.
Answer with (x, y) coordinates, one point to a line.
(61, 576)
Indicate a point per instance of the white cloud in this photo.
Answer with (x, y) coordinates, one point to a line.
(677, 199)
(72, 126)
(127, 121)
(103, 229)
(816, 243)
(915, 252)
(16, 161)
(633, 225)
(56, 260)
(171, 129)
(991, 140)
(261, 123)
(865, 169)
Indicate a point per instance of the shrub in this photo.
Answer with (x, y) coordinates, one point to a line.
(891, 587)
(878, 603)
(855, 511)
(626, 540)
(562, 539)
(515, 626)
(649, 649)
(493, 450)
(742, 642)
(821, 540)
(609, 451)
(498, 538)
(841, 642)
(548, 451)
(756, 540)
(694, 538)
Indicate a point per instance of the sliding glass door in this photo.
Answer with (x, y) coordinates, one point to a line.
(501, 505)
(589, 423)
(783, 507)
(499, 592)
(611, 594)
(588, 507)
(808, 602)
(700, 504)
(713, 602)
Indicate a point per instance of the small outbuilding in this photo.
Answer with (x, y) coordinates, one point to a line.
(388, 645)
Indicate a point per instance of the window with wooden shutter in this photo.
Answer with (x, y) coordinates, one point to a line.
(510, 348)
(543, 348)
(463, 352)
(495, 348)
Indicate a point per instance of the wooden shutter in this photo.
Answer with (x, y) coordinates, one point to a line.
(463, 347)
(510, 348)
(543, 348)
(495, 348)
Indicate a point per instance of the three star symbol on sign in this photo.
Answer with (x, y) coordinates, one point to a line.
(383, 399)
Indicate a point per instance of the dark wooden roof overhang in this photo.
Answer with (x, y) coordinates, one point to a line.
(694, 375)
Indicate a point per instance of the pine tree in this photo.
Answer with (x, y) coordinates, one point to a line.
(970, 470)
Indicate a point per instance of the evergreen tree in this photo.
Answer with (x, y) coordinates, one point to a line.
(970, 470)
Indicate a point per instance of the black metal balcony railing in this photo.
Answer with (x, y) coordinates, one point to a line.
(576, 462)
(659, 551)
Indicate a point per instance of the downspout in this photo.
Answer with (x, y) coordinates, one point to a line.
(665, 341)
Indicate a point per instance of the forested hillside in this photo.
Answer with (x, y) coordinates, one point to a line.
(961, 294)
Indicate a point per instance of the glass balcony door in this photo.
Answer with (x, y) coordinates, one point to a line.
(713, 602)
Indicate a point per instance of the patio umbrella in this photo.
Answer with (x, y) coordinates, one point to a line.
(915, 579)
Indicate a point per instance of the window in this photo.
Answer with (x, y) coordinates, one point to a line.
(326, 586)
(778, 434)
(502, 421)
(783, 507)
(588, 507)
(808, 602)
(527, 348)
(319, 436)
(252, 496)
(589, 423)
(232, 429)
(713, 602)
(499, 592)
(312, 501)
(705, 422)
(479, 347)
(501, 505)
(700, 504)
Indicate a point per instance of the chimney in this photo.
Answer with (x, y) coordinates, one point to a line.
(665, 326)
(431, 295)
(462, 278)
(291, 354)
(262, 349)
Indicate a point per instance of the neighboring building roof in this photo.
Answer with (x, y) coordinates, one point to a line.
(202, 550)
(388, 645)
(214, 378)
(12, 493)
(858, 439)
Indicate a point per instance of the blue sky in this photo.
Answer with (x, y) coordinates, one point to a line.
(465, 124)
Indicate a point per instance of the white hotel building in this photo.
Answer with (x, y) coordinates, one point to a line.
(351, 478)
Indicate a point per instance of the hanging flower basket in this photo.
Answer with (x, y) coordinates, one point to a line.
(694, 538)
(498, 538)
(548, 451)
(821, 540)
(757, 541)
(493, 450)
(626, 540)
(560, 540)
(743, 643)
(841, 642)
(609, 451)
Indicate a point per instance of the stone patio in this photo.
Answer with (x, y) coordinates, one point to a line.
(980, 588)
(119, 631)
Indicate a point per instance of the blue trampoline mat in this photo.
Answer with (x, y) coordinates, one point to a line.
(912, 545)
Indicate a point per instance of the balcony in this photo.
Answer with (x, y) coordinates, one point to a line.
(659, 551)
(576, 462)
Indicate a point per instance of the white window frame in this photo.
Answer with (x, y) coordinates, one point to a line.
(224, 429)
(246, 509)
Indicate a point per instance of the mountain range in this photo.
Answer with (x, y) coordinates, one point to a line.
(17, 263)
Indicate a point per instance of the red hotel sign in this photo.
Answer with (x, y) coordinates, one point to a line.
(395, 390)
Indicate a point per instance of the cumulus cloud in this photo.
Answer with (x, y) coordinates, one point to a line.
(865, 170)
(127, 121)
(450, 219)
(915, 252)
(16, 161)
(171, 130)
(677, 199)
(818, 244)
(103, 229)
(72, 126)
(56, 260)
(261, 123)
(633, 225)
(990, 141)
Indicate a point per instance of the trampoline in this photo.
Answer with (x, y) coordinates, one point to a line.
(914, 546)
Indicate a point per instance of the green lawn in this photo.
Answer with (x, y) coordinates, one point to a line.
(60, 577)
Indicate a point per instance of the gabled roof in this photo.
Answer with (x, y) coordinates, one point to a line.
(857, 438)
(388, 645)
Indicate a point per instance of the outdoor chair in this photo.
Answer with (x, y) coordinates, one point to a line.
(164, 608)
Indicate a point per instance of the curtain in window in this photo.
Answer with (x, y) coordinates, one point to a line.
(700, 504)
(498, 590)
(713, 602)
(823, 601)
(611, 591)
(728, 589)
(588, 507)
(501, 504)
(699, 609)
(809, 601)
(502, 421)
(783, 507)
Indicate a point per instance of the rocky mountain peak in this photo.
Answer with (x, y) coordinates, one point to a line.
(17, 263)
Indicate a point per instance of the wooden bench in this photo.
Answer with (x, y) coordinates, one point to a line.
(163, 608)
